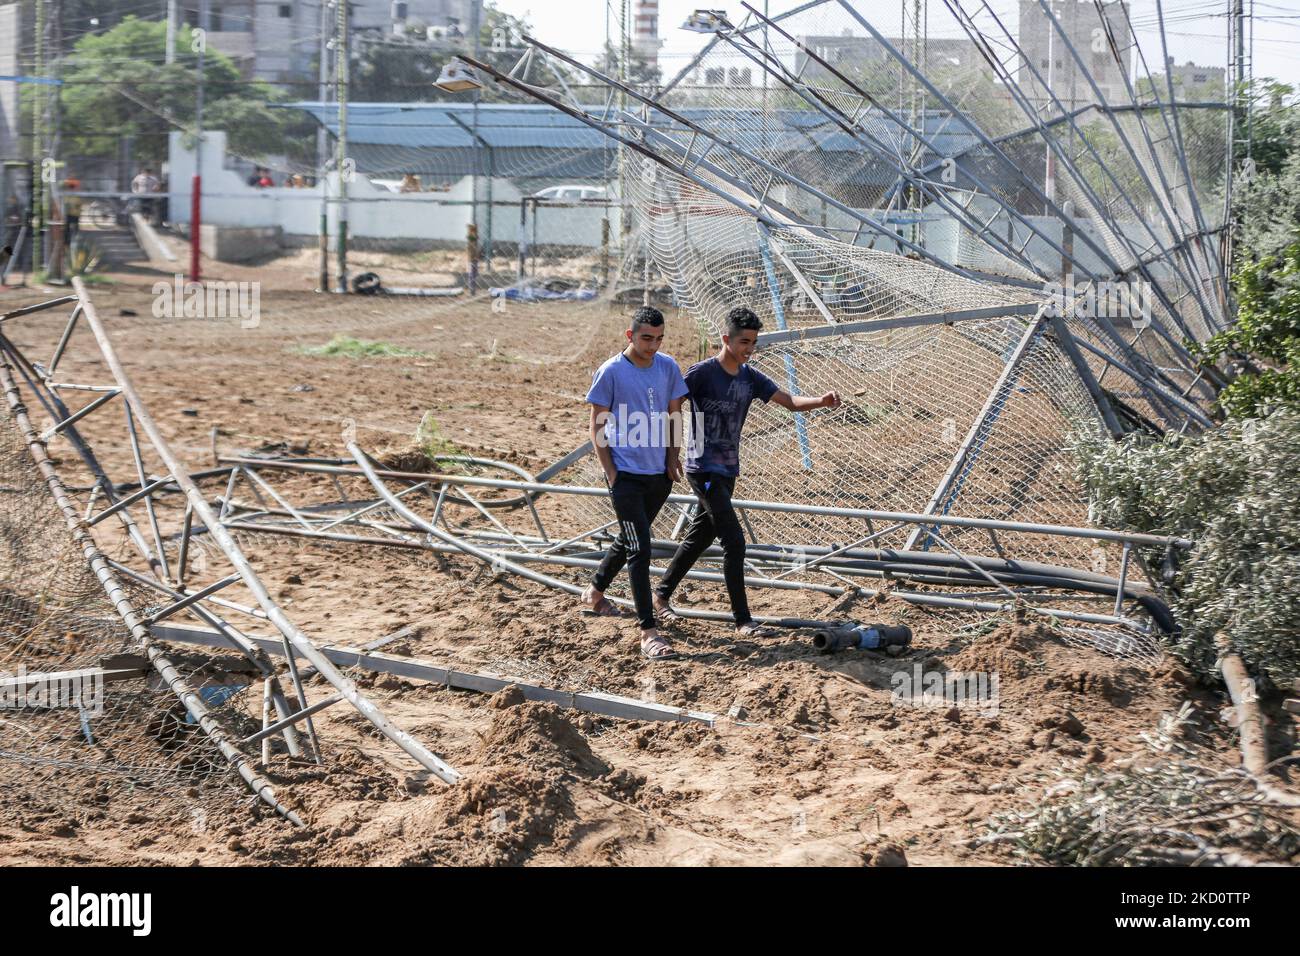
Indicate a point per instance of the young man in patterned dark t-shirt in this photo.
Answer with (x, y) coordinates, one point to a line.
(721, 390)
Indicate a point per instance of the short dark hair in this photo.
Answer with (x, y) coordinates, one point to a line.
(742, 319)
(646, 315)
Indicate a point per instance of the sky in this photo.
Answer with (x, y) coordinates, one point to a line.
(1196, 29)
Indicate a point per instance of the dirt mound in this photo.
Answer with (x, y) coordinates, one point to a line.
(514, 802)
(538, 735)
(1013, 651)
(495, 816)
(409, 457)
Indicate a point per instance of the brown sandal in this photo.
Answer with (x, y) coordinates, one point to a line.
(657, 649)
(667, 614)
(603, 608)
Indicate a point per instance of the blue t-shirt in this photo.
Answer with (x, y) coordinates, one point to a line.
(637, 429)
(719, 403)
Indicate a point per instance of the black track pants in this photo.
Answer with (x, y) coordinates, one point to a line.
(637, 500)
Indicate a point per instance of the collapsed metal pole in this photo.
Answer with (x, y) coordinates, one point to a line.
(1215, 274)
(888, 570)
(299, 641)
(1067, 117)
(854, 128)
(698, 130)
(113, 589)
(498, 561)
(1030, 184)
(764, 208)
(1119, 131)
(43, 385)
(996, 398)
(973, 128)
(996, 524)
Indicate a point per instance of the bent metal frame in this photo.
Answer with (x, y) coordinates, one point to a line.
(162, 515)
(495, 520)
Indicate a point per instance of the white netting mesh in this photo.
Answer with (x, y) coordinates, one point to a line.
(55, 618)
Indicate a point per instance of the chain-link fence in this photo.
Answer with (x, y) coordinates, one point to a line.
(84, 698)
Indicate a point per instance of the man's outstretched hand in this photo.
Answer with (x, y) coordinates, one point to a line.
(831, 400)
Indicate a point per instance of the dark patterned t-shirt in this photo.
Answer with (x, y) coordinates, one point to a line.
(719, 403)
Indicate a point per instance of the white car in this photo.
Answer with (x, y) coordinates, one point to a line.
(571, 193)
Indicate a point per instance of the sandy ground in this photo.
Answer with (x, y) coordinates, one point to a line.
(824, 767)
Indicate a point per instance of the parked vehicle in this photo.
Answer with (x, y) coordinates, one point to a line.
(571, 193)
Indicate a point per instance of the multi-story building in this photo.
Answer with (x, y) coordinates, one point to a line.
(280, 39)
(1199, 82)
(10, 40)
(645, 30)
(861, 56)
(1043, 47)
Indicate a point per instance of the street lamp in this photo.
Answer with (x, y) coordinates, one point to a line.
(457, 76)
(705, 21)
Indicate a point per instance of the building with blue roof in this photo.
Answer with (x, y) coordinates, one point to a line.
(536, 145)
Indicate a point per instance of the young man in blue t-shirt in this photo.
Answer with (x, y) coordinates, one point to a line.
(721, 391)
(636, 403)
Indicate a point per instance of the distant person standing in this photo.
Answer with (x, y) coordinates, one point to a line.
(144, 183)
(71, 210)
(261, 178)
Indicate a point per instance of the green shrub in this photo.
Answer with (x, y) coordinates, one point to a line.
(1235, 491)
(1267, 331)
(1175, 803)
(432, 442)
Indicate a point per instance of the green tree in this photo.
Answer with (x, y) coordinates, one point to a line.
(1264, 342)
(1266, 197)
(116, 83)
(1266, 336)
(1234, 491)
(1266, 211)
(642, 74)
(1273, 126)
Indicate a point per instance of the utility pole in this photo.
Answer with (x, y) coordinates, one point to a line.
(1239, 18)
(56, 101)
(920, 13)
(58, 235)
(170, 56)
(1049, 166)
(38, 153)
(322, 148)
(341, 78)
(196, 184)
(625, 205)
(475, 28)
(1239, 21)
(1241, 74)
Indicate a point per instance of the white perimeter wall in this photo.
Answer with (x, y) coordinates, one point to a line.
(373, 211)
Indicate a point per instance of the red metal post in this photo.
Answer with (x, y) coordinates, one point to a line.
(196, 218)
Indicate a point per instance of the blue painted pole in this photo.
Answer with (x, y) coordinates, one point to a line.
(792, 380)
